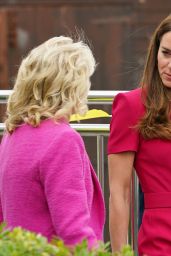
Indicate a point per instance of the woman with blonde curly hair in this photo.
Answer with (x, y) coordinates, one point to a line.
(47, 183)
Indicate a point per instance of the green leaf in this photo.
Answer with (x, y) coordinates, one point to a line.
(21, 242)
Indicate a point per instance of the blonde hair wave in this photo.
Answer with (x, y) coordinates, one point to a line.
(52, 82)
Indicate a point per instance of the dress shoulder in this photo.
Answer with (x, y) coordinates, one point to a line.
(132, 100)
(127, 109)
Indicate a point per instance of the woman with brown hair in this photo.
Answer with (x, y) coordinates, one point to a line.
(140, 137)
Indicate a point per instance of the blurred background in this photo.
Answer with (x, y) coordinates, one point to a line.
(118, 32)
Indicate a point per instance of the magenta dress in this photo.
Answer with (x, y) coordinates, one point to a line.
(153, 167)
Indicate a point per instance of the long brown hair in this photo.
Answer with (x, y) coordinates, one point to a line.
(156, 121)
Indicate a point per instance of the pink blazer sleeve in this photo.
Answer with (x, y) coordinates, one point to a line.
(62, 174)
(123, 134)
(1, 215)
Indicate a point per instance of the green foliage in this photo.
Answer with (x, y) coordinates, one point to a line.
(126, 251)
(20, 242)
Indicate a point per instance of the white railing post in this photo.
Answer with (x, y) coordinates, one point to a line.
(100, 160)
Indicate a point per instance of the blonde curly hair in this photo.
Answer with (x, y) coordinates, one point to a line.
(52, 82)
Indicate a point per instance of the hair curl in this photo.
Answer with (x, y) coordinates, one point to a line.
(52, 82)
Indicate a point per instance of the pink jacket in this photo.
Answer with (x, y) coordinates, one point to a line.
(48, 185)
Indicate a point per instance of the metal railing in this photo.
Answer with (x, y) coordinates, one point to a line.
(94, 97)
(100, 131)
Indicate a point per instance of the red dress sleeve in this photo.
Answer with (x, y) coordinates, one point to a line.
(123, 134)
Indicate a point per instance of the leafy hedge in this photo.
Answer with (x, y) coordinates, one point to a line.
(20, 242)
